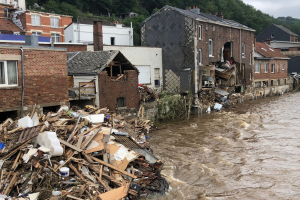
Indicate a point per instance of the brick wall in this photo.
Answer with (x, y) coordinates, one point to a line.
(293, 49)
(294, 38)
(45, 27)
(110, 90)
(2, 7)
(221, 35)
(269, 75)
(45, 79)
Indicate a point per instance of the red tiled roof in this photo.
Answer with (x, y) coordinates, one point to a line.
(7, 25)
(267, 51)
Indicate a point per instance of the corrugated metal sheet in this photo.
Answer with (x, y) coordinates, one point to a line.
(126, 141)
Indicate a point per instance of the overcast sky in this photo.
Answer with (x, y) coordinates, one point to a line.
(277, 8)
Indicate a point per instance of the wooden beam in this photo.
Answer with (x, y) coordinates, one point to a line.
(69, 145)
(113, 167)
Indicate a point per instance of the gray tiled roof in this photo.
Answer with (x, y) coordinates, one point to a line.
(204, 17)
(88, 62)
(286, 30)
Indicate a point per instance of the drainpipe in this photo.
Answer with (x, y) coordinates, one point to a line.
(23, 82)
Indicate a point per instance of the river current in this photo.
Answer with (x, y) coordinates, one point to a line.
(251, 151)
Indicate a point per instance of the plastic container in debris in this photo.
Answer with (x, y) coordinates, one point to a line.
(56, 193)
(25, 122)
(64, 171)
(50, 140)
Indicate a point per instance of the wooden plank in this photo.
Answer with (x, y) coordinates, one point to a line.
(13, 152)
(70, 145)
(11, 184)
(72, 197)
(79, 141)
(65, 162)
(113, 167)
(76, 172)
(102, 183)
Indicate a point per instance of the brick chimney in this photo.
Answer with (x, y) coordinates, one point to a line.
(98, 36)
(219, 14)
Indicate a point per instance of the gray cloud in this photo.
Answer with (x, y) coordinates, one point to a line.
(277, 8)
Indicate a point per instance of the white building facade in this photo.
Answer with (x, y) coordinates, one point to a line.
(19, 4)
(112, 35)
(148, 60)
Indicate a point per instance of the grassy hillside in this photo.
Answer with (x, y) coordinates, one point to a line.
(235, 10)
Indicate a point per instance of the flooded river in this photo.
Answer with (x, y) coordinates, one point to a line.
(248, 152)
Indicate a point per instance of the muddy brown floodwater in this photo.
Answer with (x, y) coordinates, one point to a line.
(248, 152)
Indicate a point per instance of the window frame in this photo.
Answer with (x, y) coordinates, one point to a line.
(266, 67)
(200, 57)
(54, 21)
(273, 68)
(200, 32)
(36, 33)
(114, 41)
(283, 67)
(35, 17)
(5, 13)
(243, 50)
(259, 65)
(6, 74)
(278, 68)
(210, 43)
(55, 35)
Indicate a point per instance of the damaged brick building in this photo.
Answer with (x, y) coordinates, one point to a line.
(193, 43)
(44, 82)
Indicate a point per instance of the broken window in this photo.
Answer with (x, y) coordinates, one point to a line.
(266, 67)
(283, 67)
(257, 84)
(243, 49)
(272, 83)
(200, 32)
(272, 68)
(265, 83)
(121, 102)
(8, 73)
(257, 67)
(200, 56)
(285, 81)
(112, 41)
(210, 47)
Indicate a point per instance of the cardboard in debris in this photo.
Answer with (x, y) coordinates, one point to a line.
(115, 194)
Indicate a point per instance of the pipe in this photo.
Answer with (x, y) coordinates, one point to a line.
(23, 81)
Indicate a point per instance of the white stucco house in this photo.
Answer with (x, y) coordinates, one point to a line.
(112, 35)
(19, 4)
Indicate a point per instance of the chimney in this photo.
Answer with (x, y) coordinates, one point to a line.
(190, 8)
(219, 14)
(268, 41)
(32, 40)
(193, 7)
(98, 37)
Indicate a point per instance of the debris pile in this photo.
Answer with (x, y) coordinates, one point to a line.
(78, 154)
(147, 94)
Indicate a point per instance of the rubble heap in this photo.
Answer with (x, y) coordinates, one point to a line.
(88, 154)
(147, 94)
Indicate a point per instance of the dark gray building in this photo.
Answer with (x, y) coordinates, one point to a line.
(277, 33)
(193, 42)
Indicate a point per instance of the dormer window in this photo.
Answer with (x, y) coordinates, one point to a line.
(272, 36)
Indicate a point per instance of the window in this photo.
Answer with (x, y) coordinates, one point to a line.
(37, 33)
(250, 76)
(145, 74)
(200, 32)
(231, 49)
(5, 12)
(55, 37)
(243, 49)
(112, 41)
(121, 102)
(257, 84)
(278, 82)
(35, 20)
(250, 58)
(272, 36)
(278, 66)
(200, 56)
(266, 67)
(284, 81)
(257, 67)
(283, 67)
(272, 68)
(54, 22)
(210, 48)
(157, 77)
(8, 73)
(213, 28)
(272, 83)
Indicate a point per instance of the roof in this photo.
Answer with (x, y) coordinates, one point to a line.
(7, 25)
(93, 62)
(204, 17)
(34, 11)
(285, 30)
(267, 51)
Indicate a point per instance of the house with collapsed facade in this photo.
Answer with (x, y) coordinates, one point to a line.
(271, 70)
(200, 50)
(29, 75)
(103, 78)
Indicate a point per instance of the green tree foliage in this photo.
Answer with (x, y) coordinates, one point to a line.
(235, 10)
